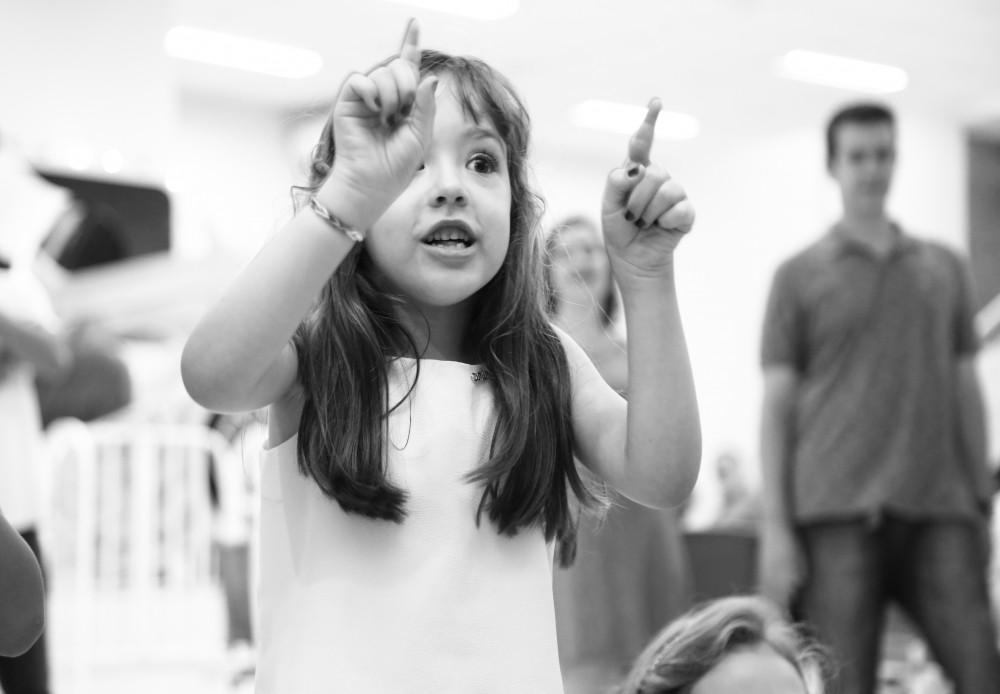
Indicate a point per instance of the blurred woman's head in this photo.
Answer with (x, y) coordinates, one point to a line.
(734, 645)
(579, 268)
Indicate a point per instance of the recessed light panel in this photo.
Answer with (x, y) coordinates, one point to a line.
(625, 119)
(241, 53)
(486, 10)
(840, 72)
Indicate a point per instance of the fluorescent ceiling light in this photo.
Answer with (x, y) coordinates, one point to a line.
(625, 119)
(241, 53)
(473, 9)
(844, 73)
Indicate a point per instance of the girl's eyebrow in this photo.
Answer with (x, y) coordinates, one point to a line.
(476, 132)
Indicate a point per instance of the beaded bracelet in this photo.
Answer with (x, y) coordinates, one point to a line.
(335, 223)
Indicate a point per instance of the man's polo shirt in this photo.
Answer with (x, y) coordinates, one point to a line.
(874, 341)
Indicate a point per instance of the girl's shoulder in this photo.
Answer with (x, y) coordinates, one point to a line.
(610, 345)
(606, 357)
(613, 366)
(574, 352)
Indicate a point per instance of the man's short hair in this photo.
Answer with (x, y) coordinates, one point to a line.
(865, 113)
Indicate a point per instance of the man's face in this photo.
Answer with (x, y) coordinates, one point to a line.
(863, 163)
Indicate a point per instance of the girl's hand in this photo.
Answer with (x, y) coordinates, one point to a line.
(382, 125)
(644, 212)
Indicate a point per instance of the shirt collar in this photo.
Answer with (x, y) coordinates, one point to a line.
(847, 245)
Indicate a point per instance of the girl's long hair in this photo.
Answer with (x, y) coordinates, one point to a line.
(346, 342)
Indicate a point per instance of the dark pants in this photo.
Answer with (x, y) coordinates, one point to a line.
(27, 673)
(935, 571)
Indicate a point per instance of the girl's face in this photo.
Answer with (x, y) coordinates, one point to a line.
(752, 670)
(447, 235)
(579, 262)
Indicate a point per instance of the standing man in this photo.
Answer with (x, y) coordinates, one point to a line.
(872, 432)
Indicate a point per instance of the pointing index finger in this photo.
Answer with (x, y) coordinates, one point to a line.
(410, 50)
(641, 143)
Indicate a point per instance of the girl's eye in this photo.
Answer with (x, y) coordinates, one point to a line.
(484, 163)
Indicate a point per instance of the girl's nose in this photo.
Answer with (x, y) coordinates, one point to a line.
(448, 188)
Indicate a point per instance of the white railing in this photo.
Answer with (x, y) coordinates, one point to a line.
(128, 536)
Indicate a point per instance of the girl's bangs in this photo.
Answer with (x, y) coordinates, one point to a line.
(484, 97)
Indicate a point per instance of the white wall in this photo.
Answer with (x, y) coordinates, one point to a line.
(78, 77)
(233, 176)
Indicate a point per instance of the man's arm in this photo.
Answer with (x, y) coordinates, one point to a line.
(971, 429)
(46, 350)
(30, 331)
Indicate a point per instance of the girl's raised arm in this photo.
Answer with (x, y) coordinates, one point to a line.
(650, 450)
(239, 357)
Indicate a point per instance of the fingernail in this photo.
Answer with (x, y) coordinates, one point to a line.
(633, 172)
(629, 216)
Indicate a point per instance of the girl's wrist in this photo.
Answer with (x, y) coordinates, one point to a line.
(647, 282)
(335, 223)
(345, 202)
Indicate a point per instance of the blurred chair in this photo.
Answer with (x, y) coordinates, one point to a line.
(723, 562)
(130, 536)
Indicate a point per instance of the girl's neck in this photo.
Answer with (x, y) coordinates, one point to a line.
(440, 332)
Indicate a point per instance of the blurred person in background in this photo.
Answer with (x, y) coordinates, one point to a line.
(873, 444)
(97, 384)
(85, 235)
(52, 233)
(631, 573)
(740, 502)
(233, 487)
(32, 341)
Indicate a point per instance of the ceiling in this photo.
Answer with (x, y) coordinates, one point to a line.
(710, 58)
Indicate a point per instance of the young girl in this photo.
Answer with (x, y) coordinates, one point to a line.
(423, 413)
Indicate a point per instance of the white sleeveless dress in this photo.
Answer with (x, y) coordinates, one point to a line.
(435, 604)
